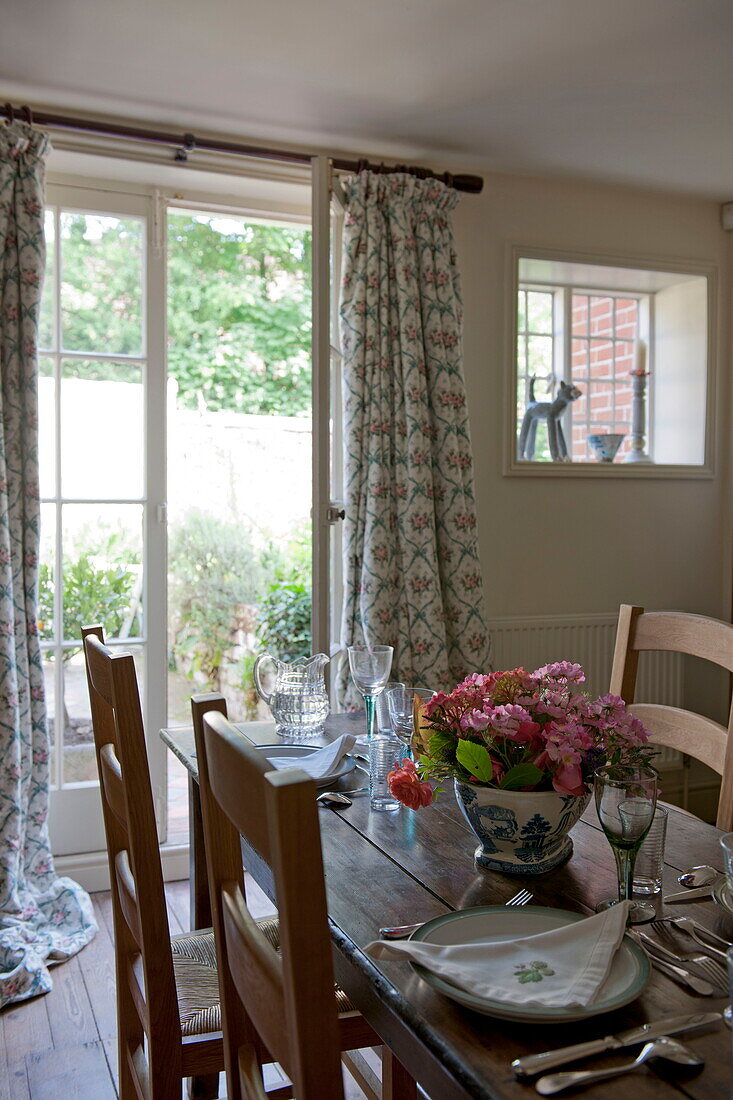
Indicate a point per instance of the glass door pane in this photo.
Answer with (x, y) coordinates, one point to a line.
(239, 437)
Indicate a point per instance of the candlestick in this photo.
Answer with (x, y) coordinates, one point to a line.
(638, 407)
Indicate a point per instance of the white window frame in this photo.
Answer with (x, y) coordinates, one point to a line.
(515, 467)
(562, 346)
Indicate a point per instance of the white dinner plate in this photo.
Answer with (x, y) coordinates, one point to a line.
(297, 752)
(723, 896)
(629, 972)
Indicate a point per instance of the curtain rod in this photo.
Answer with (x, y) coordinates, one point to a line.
(187, 142)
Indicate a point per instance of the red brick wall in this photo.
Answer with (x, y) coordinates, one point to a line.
(600, 368)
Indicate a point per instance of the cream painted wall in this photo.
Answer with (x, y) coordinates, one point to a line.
(680, 317)
(572, 544)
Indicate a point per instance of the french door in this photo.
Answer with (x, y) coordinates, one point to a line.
(105, 406)
(102, 433)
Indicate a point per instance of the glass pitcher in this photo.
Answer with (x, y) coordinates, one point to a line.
(298, 701)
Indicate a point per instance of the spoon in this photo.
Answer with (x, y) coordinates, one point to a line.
(337, 798)
(699, 876)
(333, 798)
(664, 1047)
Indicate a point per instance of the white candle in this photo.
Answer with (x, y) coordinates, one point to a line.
(640, 364)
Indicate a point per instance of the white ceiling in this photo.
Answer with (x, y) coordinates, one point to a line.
(629, 91)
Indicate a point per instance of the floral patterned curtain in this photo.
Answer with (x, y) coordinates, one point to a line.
(43, 919)
(412, 575)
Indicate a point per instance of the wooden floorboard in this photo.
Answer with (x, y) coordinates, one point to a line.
(64, 1045)
(79, 1071)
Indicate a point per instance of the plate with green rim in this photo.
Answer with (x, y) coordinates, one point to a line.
(628, 976)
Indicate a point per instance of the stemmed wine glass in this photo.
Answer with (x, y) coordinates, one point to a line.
(400, 700)
(370, 668)
(626, 797)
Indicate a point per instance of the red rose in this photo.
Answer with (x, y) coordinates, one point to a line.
(407, 787)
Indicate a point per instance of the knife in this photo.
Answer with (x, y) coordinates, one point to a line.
(671, 1025)
(690, 895)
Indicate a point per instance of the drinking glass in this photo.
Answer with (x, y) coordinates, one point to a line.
(382, 718)
(385, 753)
(400, 700)
(370, 667)
(650, 859)
(626, 798)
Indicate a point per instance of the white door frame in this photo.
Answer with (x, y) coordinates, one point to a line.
(328, 213)
(321, 354)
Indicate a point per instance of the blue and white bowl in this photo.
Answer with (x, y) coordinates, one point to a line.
(606, 444)
(520, 832)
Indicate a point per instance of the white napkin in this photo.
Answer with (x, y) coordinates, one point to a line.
(321, 763)
(566, 966)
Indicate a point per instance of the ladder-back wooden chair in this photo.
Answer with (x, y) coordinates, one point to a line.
(168, 1014)
(673, 727)
(277, 1004)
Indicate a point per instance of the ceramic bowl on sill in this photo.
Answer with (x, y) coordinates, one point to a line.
(606, 445)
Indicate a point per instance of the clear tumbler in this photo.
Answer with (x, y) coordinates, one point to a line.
(385, 753)
(649, 864)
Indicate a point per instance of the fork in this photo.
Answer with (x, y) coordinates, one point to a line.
(401, 931)
(711, 969)
(521, 898)
(688, 926)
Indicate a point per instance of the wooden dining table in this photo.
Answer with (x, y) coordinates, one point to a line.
(400, 867)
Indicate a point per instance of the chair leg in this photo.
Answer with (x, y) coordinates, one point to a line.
(396, 1081)
(204, 1088)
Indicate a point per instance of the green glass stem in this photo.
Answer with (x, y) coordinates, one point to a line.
(625, 860)
(370, 706)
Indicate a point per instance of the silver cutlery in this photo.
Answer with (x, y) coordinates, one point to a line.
(338, 798)
(690, 895)
(711, 970)
(533, 1064)
(682, 976)
(664, 1047)
(705, 875)
(521, 898)
(402, 931)
(687, 924)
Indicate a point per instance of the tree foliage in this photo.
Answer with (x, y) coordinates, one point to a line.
(239, 315)
(239, 325)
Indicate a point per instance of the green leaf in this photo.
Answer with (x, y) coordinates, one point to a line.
(522, 775)
(476, 760)
(442, 746)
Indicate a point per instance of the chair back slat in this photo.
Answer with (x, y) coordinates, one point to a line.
(685, 731)
(142, 936)
(128, 897)
(673, 727)
(257, 969)
(695, 635)
(286, 1005)
(110, 774)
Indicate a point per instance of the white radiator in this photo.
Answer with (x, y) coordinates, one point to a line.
(589, 640)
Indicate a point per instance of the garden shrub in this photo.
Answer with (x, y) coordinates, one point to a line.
(214, 567)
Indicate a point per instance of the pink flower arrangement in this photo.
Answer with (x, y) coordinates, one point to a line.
(521, 731)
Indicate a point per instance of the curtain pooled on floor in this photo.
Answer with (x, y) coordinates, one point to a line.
(412, 574)
(43, 919)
